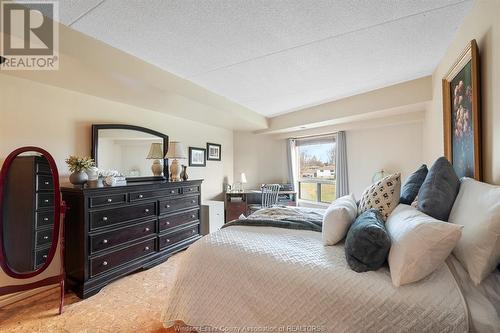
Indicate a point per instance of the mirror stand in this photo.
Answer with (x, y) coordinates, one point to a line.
(31, 220)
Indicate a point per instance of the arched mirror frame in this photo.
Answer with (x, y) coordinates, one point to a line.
(57, 212)
(95, 147)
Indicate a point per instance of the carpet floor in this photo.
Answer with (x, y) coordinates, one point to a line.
(132, 304)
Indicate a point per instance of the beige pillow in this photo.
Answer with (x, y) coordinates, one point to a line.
(419, 244)
(383, 195)
(477, 208)
(338, 218)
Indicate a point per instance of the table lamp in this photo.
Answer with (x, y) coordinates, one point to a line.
(379, 175)
(243, 180)
(156, 153)
(175, 151)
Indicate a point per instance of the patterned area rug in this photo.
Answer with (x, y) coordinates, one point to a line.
(132, 304)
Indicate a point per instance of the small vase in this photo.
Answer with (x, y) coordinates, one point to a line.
(78, 178)
(184, 175)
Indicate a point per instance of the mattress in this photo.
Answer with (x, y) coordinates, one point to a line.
(483, 301)
(270, 279)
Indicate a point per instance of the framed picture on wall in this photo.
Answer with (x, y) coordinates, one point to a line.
(197, 157)
(462, 114)
(214, 152)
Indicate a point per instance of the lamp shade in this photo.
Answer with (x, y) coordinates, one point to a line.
(243, 178)
(379, 175)
(155, 151)
(176, 150)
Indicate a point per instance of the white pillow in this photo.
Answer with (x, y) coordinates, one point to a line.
(420, 244)
(338, 218)
(477, 208)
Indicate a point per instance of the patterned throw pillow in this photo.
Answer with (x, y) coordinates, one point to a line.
(383, 195)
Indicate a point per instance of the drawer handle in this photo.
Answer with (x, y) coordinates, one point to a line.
(105, 263)
(110, 200)
(45, 237)
(146, 210)
(44, 256)
(193, 201)
(167, 223)
(190, 189)
(140, 196)
(146, 229)
(146, 248)
(193, 216)
(167, 206)
(193, 231)
(105, 218)
(105, 241)
(46, 200)
(45, 218)
(168, 240)
(172, 192)
(47, 183)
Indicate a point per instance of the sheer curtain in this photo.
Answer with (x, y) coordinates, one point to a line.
(341, 165)
(292, 163)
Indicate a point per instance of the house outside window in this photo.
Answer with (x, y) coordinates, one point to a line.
(316, 168)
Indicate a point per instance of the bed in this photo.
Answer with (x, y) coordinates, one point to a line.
(276, 279)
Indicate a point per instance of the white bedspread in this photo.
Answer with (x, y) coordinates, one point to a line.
(272, 279)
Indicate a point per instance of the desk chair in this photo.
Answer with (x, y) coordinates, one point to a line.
(269, 197)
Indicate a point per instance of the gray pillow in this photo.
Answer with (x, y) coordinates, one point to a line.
(410, 189)
(439, 190)
(367, 243)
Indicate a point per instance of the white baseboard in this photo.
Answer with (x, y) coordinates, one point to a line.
(16, 297)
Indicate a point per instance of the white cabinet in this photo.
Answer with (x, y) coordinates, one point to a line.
(212, 216)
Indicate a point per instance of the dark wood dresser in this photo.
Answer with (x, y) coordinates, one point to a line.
(112, 231)
(30, 202)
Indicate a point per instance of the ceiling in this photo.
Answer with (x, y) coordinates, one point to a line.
(275, 56)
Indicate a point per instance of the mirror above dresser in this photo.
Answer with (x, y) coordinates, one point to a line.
(137, 153)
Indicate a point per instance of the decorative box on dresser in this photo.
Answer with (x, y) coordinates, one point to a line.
(112, 231)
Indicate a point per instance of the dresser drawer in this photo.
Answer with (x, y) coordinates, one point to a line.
(169, 240)
(43, 237)
(45, 200)
(135, 196)
(175, 220)
(167, 206)
(44, 182)
(43, 168)
(114, 259)
(108, 217)
(108, 200)
(116, 237)
(44, 219)
(191, 189)
(41, 257)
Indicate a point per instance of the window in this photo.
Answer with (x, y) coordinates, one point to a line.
(316, 168)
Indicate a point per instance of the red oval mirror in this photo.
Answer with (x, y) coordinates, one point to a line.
(30, 212)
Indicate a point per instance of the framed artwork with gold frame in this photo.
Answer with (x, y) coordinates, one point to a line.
(462, 114)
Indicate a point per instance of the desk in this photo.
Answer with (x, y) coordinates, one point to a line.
(236, 202)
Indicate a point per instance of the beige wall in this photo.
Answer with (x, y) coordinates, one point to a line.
(262, 158)
(396, 148)
(391, 148)
(482, 24)
(59, 121)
